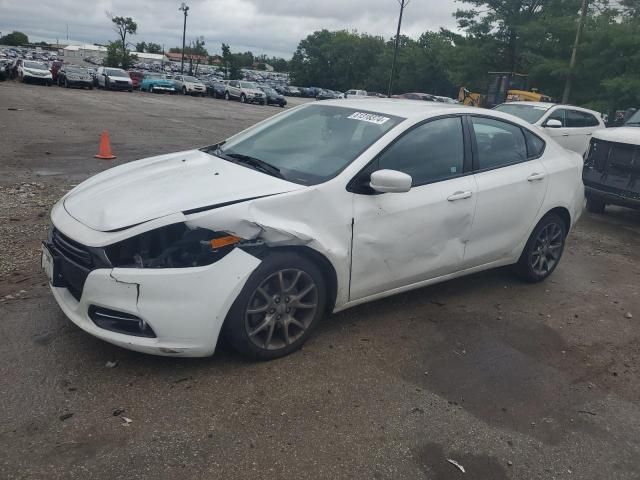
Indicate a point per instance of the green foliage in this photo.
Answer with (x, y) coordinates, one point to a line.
(14, 39)
(115, 58)
(117, 53)
(154, 48)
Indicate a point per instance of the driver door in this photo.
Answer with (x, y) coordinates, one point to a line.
(401, 239)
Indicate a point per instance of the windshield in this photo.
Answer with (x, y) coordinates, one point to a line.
(116, 72)
(187, 78)
(634, 119)
(75, 69)
(249, 85)
(155, 77)
(312, 144)
(35, 65)
(528, 113)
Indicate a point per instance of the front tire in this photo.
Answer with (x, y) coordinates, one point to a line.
(243, 98)
(595, 205)
(543, 250)
(184, 90)
(278, 308)
(226, 96)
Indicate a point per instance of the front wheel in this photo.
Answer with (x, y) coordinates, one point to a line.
(243, 98)
(278, 308)
(184, 90)
(226, 96)
(543, 250)
(595, 205)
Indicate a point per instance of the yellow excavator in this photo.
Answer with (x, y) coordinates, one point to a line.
(503, 87)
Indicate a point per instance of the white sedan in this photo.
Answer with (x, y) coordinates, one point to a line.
(572, 127)
(30, 71)
(312, 211)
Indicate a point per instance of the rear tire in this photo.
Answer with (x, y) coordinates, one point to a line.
(543, 251)
(595, 205)
(278, 308)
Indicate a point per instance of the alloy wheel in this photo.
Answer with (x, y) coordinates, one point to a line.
(281, 309)
(547, 249)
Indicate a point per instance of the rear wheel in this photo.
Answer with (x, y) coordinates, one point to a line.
(278, 308)
(543, 250)
(595, 205)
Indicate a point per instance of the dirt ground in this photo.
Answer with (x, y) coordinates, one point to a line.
(512, 381)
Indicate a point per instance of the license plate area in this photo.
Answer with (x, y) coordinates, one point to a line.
(51, 267)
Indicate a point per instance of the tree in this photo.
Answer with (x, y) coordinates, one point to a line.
(124, 26)
(229, 63)
(154, 48)
(141, 47)
(14, 39)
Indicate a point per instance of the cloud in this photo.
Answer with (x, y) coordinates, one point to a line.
(269, 26)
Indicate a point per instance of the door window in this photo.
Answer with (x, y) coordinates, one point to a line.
(430, 152)
(559, 115)
(576, 119)
(535, 145)
(499, 143)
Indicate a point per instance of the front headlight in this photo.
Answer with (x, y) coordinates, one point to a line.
(173, 246)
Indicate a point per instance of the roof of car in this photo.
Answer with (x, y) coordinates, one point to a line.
(400, 107)
(548, 105)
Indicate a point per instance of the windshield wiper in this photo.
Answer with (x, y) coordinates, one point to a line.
(253, 162)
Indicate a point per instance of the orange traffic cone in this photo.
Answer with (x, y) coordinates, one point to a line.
(105, 152)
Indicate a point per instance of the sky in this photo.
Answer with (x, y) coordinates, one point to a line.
(273, 27)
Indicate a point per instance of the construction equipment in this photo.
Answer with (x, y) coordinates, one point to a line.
(503, 87)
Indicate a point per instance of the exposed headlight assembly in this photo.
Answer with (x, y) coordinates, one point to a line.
(173, 246)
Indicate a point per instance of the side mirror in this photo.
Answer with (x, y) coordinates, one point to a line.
(553, 123)
(390, 181)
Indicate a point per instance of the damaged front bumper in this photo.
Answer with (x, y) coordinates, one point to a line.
(184, 307)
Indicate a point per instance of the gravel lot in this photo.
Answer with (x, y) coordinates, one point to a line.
(512, 381)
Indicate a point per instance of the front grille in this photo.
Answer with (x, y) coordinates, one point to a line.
(71, 250)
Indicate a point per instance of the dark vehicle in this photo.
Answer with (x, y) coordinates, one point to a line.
(611, 168)
(326, 95)
(215, 88)
(416, 96)
(4, 72)
(273, 97)
(72, 76)
(291, 91)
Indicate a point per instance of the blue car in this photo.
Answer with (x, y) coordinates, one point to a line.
(154, 82)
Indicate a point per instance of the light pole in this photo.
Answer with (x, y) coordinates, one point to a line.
(183, 8)
(403, 3)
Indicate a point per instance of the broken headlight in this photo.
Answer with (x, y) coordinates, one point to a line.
(173, 246)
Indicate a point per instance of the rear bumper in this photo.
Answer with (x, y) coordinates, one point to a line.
(185, 307)
(613, 198)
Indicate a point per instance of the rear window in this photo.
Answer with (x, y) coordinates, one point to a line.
(528, 113)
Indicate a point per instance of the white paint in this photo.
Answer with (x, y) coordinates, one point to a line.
(401, 241)
(630, 135)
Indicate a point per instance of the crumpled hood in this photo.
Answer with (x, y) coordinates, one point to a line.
(140, 191)
(619, 134)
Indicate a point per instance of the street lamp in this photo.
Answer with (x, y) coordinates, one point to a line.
(183, 8)
(403, 4)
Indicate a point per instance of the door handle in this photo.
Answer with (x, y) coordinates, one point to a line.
(534, 177)
(459, 196)
(565, 134)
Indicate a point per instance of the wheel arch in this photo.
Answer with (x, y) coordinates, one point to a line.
(326, 267)
(563, 213)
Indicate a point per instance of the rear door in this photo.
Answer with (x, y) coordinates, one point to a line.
(580, 126)
(511, 182)
(401, 239)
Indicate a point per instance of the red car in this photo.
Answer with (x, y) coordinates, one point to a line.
(55, 66)
(136, 78)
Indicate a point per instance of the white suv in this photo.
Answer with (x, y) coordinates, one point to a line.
(113, 79)
(246, 92)
(189, 85)
(572, 127)
(355, 94)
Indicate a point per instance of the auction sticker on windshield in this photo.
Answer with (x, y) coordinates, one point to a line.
(368, 117)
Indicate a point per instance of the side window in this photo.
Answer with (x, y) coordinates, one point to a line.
(578, 119)
(499, 143)
(535, 145)
(430, 152)
(558, 114)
